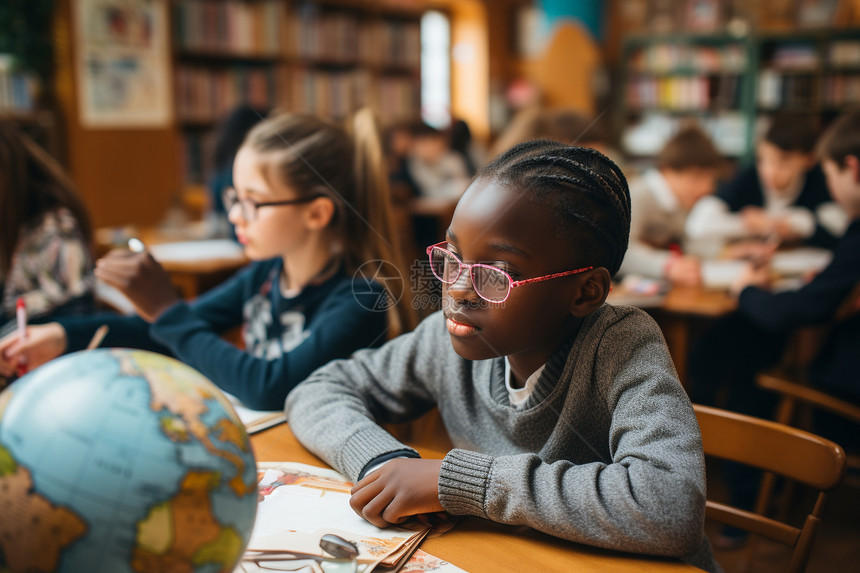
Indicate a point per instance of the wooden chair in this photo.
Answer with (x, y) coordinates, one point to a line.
(797, 399)
(793, 395)
(776, 448)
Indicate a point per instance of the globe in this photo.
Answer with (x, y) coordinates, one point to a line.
(120, 460)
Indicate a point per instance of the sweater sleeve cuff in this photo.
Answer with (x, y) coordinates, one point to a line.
(463, 482)
(379, 461)
(366, 446)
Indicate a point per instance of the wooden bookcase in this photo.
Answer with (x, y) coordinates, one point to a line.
(324, 57)
(729, 84)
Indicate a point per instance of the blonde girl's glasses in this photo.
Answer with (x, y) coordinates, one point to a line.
(249, 207)
(490, 283)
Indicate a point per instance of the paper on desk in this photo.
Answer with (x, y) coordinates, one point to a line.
(796, 262)
(299, 503)
(721, 274)
(193, 251)
(784, 264)
(255, 420)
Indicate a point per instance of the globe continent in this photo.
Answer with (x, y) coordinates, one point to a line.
(121, 460)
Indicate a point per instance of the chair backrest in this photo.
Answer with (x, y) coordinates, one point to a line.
(777, 448)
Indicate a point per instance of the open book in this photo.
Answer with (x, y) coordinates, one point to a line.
(298, 504)
(256, 420)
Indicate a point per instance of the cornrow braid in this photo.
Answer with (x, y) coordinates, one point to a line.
(586, 190)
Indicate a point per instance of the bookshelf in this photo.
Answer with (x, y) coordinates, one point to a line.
(324, 57)
(728, 83)
(668, 79)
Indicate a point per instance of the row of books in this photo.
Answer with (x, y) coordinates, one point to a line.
(338, 93)
(206, 95)
(666, 58)
(313, 33)
(249, 28)
(777, 90)
(841, 90)
(845, 53)
(804, 56)
(684, 93)
(16, 88)
(266, 28)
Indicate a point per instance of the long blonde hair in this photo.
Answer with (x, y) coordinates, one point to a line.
(318, 157)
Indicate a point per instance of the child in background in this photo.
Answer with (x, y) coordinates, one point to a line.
(310, 207)
(754, 338)
(231, 133)
(566, 413)
(687, 170)
(436, 170)
(782, 197)
(45, 234)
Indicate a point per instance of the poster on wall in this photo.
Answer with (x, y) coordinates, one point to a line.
(123, 65)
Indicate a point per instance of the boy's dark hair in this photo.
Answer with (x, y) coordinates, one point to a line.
(792, 132)
(421, 129)
(690, 147)
(582, 186)
(842, 138)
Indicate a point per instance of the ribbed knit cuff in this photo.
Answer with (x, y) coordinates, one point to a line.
(463, 482)
(366, 445)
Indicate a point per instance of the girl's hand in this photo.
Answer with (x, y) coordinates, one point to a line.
(752, 275)
(684, 271)
(398, 490)
(139, 277)
(44, 342)
(757, 221)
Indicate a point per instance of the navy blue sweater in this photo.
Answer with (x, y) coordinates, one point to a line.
(285, 338)
(836, 367)
(745, 190)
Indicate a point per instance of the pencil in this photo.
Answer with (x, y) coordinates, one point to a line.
(135, 245)
(98, 337)
(21, 314)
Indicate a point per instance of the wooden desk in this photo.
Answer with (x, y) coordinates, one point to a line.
(479, 545)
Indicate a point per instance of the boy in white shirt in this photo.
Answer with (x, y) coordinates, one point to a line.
(782, 197)
(661, 200)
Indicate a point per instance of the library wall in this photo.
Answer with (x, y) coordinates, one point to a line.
(124, 175)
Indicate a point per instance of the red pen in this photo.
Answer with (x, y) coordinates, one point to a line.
(21, 314)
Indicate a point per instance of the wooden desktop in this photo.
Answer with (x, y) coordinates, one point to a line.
(480, 545)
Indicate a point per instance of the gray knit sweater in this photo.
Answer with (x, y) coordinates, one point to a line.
(606, 452)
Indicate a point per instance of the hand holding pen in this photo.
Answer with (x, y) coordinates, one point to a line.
(21, 314)
(139, 277)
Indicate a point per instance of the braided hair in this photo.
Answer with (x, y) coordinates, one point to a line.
(585, 189)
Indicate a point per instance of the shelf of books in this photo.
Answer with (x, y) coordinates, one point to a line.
(728, 83)
(669, 79)
(323, 57)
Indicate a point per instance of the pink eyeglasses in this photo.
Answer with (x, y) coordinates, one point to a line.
(490, 283)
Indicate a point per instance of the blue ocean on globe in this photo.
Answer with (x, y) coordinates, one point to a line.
(122, 461)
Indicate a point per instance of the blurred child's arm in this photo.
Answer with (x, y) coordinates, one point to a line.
(815, 302)
(140, 278)
(710, 218)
